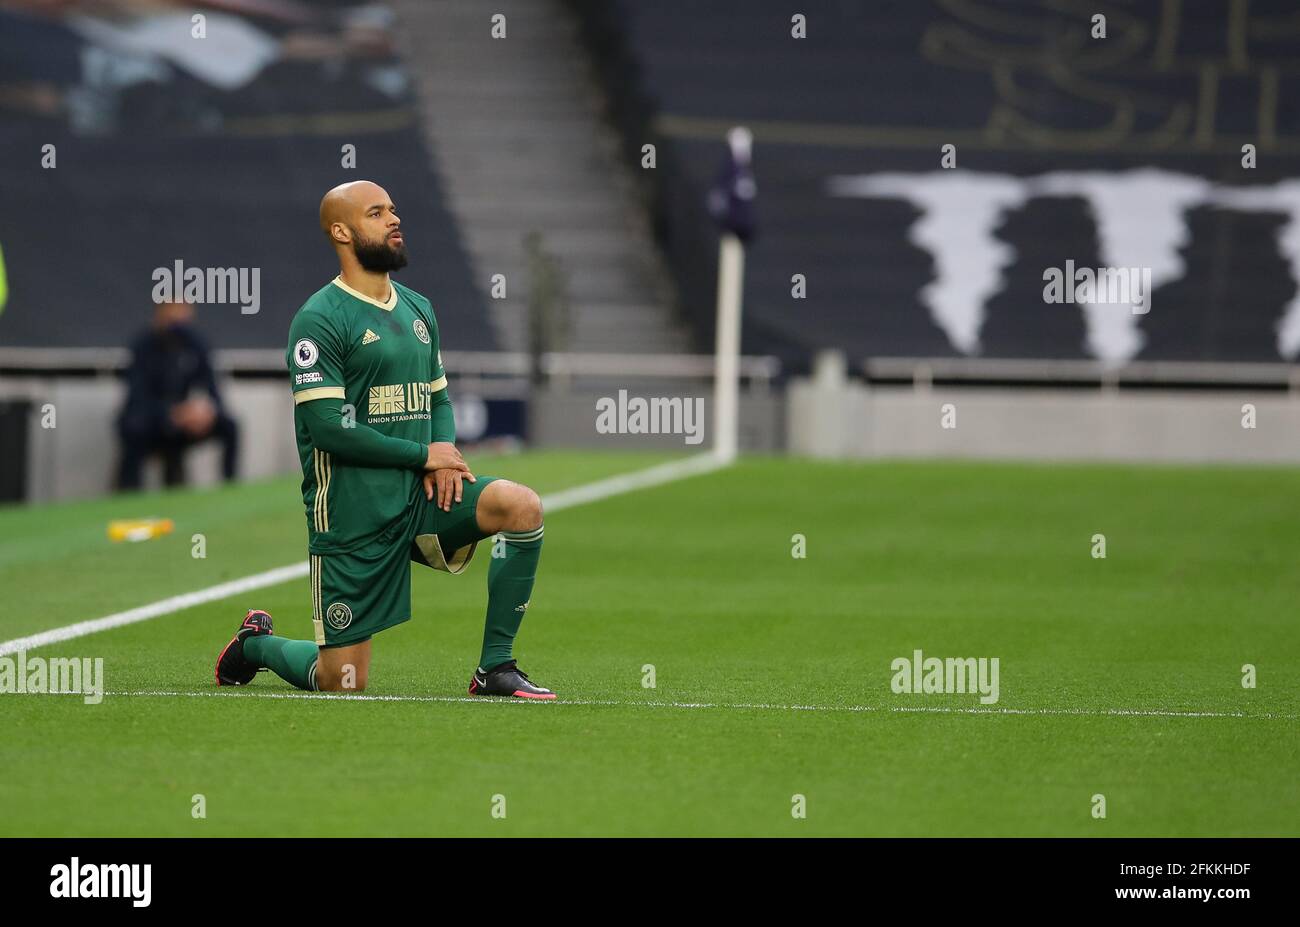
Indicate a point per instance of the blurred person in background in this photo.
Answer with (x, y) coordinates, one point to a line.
(172, 402)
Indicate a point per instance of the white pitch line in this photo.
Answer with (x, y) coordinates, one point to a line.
(555, 502)
(627, 482)
(156, 609)
(732, 706)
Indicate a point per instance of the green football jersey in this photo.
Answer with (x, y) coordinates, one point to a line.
(382, 360)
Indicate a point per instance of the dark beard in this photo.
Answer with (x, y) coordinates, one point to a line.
(378, 256)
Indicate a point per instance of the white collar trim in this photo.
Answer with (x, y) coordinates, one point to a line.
(387, 306)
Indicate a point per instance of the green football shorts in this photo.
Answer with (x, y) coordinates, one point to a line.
(357, 594)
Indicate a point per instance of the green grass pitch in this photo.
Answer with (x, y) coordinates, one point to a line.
(772, 672)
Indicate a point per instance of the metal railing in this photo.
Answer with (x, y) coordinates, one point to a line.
(921, 371)
(763, 370)
(270, 362)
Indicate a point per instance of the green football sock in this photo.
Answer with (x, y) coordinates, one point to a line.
(510, 585)
(293, 661)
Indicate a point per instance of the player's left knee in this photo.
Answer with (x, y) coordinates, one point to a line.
(525, 510)
(509, 506)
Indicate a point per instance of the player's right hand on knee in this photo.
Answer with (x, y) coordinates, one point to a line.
(447, 485)
(444, 456)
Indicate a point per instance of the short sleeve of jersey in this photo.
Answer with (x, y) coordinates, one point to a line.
(315, 358)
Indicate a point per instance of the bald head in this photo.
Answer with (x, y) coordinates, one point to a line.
(361, 223)
(348, 202)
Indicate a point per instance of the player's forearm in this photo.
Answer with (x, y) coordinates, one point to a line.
(444, 420)
(357, 442)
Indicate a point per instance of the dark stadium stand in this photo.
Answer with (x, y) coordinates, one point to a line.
(1023, 90)
(217, 161)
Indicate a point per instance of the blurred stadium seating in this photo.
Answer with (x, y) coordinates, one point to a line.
(1021, 90)
(214, 152)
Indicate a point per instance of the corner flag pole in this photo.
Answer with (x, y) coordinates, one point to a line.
(726, 385)
(731, 202)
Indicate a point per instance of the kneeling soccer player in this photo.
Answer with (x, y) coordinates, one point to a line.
(383, 483)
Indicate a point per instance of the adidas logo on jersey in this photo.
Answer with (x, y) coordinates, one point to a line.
(370, 337)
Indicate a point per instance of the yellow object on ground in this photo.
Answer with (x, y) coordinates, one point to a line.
(139, 529)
